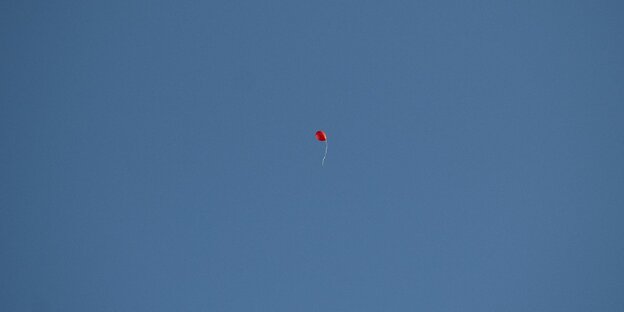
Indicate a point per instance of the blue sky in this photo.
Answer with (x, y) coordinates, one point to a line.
(160, 156)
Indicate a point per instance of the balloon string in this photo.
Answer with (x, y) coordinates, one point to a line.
(326, 145)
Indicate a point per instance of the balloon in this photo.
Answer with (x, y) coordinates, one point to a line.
(321, 136)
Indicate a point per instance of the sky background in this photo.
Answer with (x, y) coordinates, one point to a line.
(160, 156)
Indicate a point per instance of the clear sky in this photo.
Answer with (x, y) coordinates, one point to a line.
(160, 156)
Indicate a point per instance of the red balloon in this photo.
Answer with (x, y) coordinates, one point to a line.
(321, 136)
